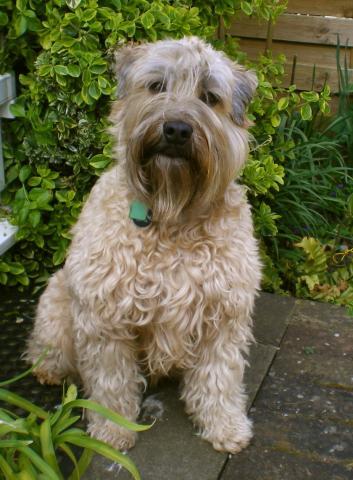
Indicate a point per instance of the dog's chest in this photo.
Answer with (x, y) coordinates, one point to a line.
(170, 299)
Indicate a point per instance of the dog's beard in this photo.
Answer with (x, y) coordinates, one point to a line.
(171, 185)
(166, 178)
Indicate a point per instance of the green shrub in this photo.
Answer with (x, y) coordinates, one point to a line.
(57, 145)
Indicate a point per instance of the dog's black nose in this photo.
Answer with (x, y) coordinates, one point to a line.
(177, 133)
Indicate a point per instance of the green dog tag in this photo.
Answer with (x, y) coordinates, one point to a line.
(140, 214)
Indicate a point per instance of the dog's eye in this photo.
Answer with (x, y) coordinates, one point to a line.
(157, 87)
(210, 98)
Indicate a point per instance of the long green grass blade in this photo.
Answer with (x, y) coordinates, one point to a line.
(27, 372)
(26, 475)
(67, 450)
(6, 469)
(14, 426)
(6, 415)
(102, 449)
(63, 424)
(40, 463)
(15, 443)
(21, 402)
(26, 466)
(46, 442)
(107, 413)
(84, 461)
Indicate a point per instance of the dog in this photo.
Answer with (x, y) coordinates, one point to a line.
(163, 267)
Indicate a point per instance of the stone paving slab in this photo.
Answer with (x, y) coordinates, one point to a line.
(172, 450)
(303, 414)
(271, 317)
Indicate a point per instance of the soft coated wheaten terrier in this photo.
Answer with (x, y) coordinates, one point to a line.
(163, 267)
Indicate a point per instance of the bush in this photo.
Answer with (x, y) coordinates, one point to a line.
(57, 145)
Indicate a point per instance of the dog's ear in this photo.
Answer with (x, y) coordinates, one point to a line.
(125, 56)
(245, 83)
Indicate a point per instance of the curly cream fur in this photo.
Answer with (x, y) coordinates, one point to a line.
(134, 303)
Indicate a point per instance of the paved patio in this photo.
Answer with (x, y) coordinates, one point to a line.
(300, 385)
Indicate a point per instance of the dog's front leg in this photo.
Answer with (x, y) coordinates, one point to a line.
(110, 375)
(214, 394)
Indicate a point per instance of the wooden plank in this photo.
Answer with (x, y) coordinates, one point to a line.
(334, 8)
(323, 55)
(307, 55)
(304, 76)
(297, 28)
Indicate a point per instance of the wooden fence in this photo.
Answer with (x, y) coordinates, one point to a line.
(307, 35)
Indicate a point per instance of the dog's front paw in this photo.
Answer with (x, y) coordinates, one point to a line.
(231, 438)
(117, 437)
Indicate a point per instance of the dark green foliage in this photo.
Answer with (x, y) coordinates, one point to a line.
(57, 146)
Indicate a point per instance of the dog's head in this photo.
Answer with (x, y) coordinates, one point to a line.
(180, 123)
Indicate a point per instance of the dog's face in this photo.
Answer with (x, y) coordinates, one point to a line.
(180, 123)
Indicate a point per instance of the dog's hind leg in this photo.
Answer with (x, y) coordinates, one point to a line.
(53, 331)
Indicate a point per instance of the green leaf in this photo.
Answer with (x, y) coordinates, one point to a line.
(310, 96)
(40, 195)
(43, 171)
(44, 70)
(59, 257)
(73, 3)
(283, 103)
(64, 424)
(98, 68)
(21, 402)
(71, 394)
(46, 442)
(88, 14)
(18, 110)
(21, 5)
(16, 268)
(147, 20)
(107, 413)
(34, 181)
(16, 426)
(3, 19)
(94, 91)
(20, 25)
(40, 463)
(100, 161)
(61, 69)
(86, 77)
(6, 469)
(73, 70)
(306, 112)
(48, 184)
(34, 218)
(83, 463)
(276, 120)
(102, 449)
(24, 173)
(247, 8)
